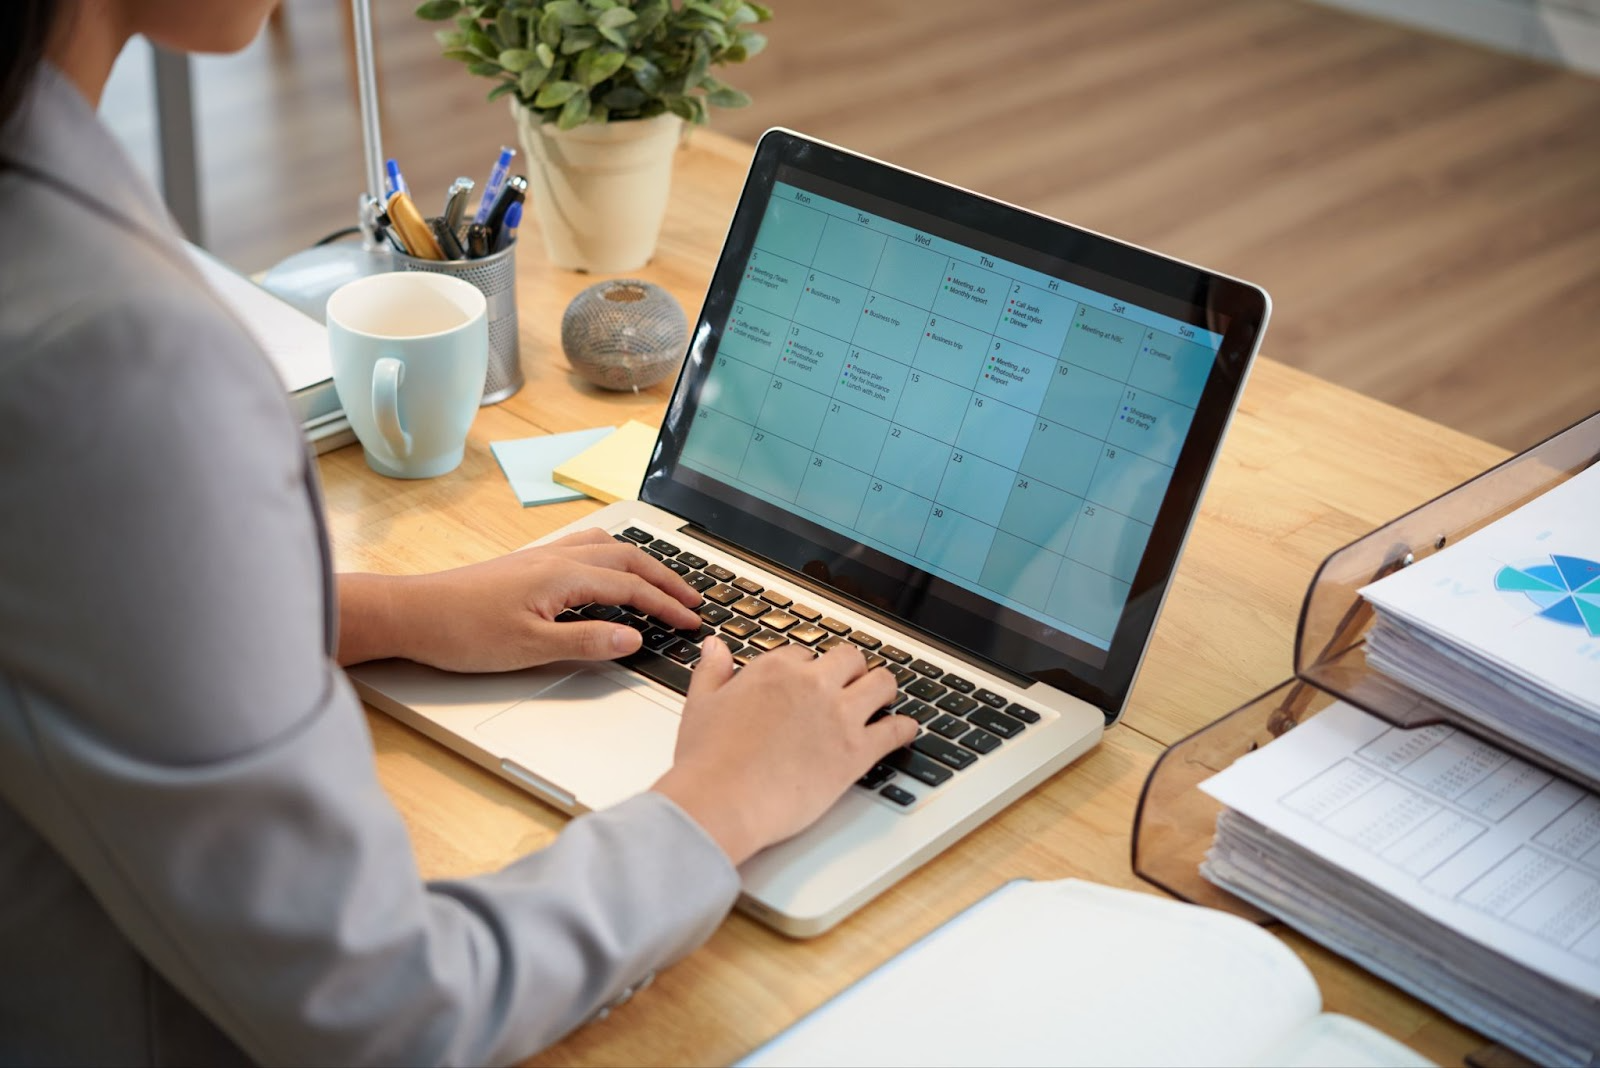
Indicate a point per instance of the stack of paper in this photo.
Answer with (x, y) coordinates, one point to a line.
(1460, 874)
(1504, 627)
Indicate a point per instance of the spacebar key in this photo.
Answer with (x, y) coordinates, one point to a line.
(669, 673)
(918, 766)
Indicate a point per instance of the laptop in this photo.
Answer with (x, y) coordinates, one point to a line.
(968, 439)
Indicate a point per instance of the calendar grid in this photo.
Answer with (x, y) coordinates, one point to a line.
(1029, 476)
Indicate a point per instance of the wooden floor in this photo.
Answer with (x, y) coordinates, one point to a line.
(1426, 214)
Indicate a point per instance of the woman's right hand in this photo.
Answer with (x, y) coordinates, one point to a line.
(763, 753)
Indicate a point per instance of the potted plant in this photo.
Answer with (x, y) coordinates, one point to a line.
(600, 90)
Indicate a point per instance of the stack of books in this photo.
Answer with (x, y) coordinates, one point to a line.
(1432, 857)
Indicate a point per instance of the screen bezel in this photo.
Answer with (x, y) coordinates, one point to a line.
(889, 588)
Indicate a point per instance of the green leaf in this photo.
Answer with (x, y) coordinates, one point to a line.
(570, 12)
(617, 16)
(501, 90)
(578, 40)
(510, 28)
(435, 10)
(698, 66)
(531, 79)
(624, 98)
(726, 96)
(745, 15)
(704, 8)
(575, 112)
(761, 10)
(547, 55)
(616, 37)
(681, 107)
(555, 94)
(650, 16)
(484, 67)
(516, 60)
(482, 44)
(752, 43)
(592, 68)
(461, 55)
(550, 29)
(646, 73)
(599, 113)
(449, 39)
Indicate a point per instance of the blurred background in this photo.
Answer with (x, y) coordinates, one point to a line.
(1423, 208)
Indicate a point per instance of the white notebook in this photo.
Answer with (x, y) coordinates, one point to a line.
(1070, 972)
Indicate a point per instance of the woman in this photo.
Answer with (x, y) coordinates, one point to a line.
(196, 862)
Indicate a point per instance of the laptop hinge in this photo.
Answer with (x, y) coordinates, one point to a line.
(1010, 675)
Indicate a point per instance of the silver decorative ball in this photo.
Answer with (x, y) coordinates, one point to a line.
(624, 334)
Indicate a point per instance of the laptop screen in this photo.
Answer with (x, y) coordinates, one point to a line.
(972, 433)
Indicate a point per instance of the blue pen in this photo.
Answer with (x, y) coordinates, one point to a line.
(491, 188)
(508, 228)
(397, 181)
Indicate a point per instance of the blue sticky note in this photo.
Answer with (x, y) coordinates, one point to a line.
(527, 463)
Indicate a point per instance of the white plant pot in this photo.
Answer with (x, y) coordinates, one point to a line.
(599, 191)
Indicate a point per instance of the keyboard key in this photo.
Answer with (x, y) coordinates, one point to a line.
(805, 612)
(695, 634)
(669, 673)
(603, 612)
(874, 661)
(898, 656)
(714, 614)
(948, 727)
(919, 767)
(699, 583)
(877, 714)
(643, 537)
(623, 540)
(996, 723)
(723, 594)
(876, 776)
(733, 644)
(741, 627)
(830, 624)
(677, 568)
(916, 710)
(866, 641)
(831, 643)
(658, 556)
(957, 683)
(902, 675)
(692, 560)
(897, 795)
(635, 622)
(922, 667)
(980, 741)
(1026, 715)
(776, 599)
(807, 633)
(657, 640)
(751, 606)
(957, 704)
(665, 548)
(568, 616)
(721, 574)
(768, 641)
(683, 652)
(778, 619)
(942, 751)
(926, 689)
(990, 698)
(745, 655)
(752, 588)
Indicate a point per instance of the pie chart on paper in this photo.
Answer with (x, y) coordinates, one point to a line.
(1566, 590)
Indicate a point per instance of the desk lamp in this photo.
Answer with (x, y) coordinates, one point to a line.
(306, 279)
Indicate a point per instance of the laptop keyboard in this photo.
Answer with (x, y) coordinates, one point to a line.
(958, 721)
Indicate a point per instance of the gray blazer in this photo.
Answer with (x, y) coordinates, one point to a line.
(197, 864)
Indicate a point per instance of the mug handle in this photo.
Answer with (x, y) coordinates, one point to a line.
(387, 374)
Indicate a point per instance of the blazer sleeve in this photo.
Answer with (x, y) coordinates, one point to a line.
(184, 742)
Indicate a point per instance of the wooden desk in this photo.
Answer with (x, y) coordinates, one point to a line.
(1307, 467)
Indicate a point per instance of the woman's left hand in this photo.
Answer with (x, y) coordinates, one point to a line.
(500, 615)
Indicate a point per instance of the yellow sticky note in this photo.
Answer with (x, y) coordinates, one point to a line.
(613, 468)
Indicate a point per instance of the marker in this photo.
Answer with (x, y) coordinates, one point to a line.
(396, 182)
(477, 240)
(455, 202)
(514, 192)
(413, 228)
(508, 229)
(491, 188)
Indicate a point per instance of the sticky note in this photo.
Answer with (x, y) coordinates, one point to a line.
(528, 463)
(613, 468)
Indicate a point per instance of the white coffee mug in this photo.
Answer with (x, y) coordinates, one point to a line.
(410, 351)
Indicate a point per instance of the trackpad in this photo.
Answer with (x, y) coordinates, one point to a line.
(597, 735)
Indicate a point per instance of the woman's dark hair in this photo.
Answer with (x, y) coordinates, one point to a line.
(25, 28)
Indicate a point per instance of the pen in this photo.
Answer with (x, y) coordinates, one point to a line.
(514, 192)
(396, 181)
(491, 188)
(455, 203)
(477, 240)
(508, 229)
(413, 228)
(448, 242)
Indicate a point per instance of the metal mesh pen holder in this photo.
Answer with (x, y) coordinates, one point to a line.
(496, 277)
